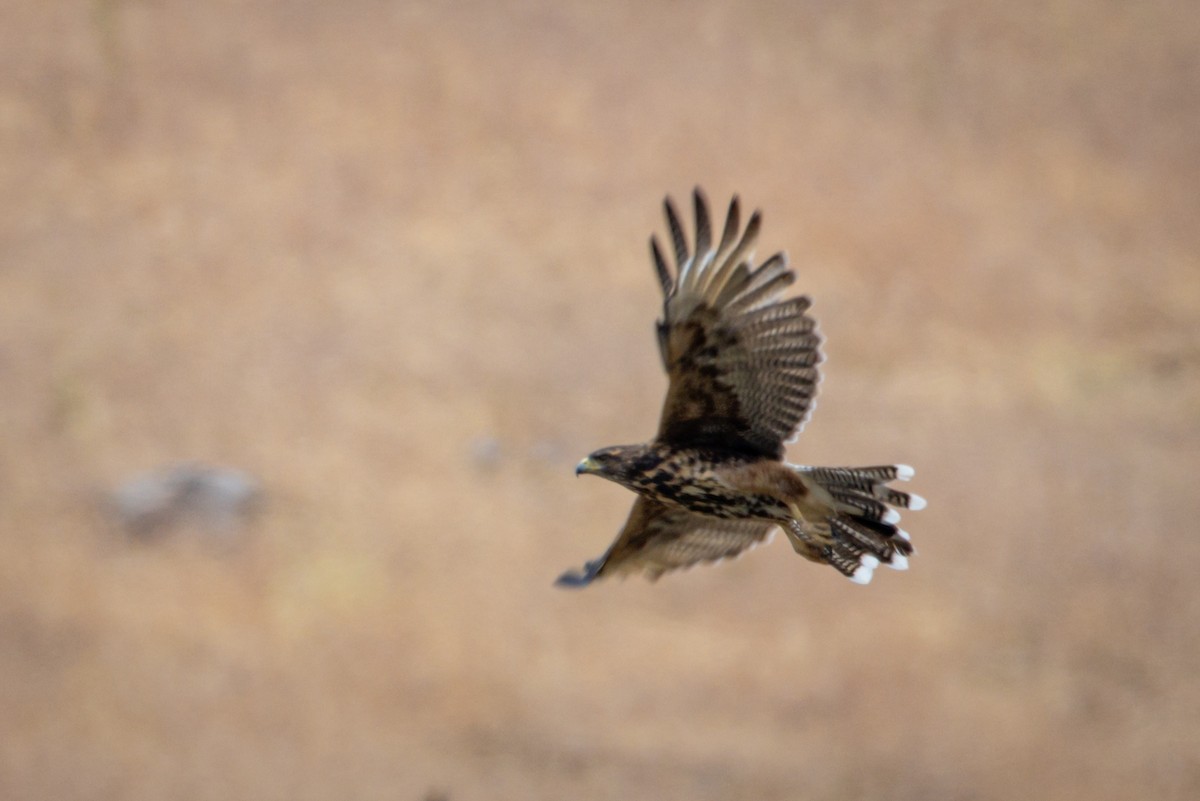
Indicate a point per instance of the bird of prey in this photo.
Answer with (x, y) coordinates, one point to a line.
(742, 366)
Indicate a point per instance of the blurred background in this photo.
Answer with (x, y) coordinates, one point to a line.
(389, 261)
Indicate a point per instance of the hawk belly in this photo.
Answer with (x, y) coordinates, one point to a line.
(701, 484)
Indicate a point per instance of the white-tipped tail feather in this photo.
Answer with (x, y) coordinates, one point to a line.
(862, 574)
(859, 531)
(866, 568)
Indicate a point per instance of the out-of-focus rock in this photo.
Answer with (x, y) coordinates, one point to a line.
(487, 454)
(211, 498)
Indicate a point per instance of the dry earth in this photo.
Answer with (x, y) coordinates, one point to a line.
(390, 258)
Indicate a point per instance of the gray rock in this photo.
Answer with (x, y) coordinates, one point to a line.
(208, 497)
(487, 453)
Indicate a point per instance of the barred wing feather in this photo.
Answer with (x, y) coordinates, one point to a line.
(742, 363)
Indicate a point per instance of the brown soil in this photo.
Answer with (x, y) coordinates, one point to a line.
(392, 261)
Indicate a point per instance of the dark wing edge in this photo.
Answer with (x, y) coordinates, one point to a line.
(742, 363)
(657, 539)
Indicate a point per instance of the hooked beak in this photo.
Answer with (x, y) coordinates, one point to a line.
(588, 465)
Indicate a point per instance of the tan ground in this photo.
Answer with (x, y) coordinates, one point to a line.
(392, 260)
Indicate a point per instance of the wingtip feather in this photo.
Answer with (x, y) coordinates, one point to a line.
(733, 221)
(573, 580)
(660, 267)
(703, 223)
(678, 239)
(576, 579)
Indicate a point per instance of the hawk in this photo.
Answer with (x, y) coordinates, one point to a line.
(742, 364)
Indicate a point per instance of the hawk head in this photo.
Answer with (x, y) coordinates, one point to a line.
(624, 464)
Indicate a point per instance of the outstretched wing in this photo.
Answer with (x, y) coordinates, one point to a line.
(742, 363)
(658, 538)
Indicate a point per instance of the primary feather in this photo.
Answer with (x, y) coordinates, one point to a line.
(742, 365)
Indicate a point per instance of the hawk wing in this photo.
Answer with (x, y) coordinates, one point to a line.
(658, 538)
(742, 363)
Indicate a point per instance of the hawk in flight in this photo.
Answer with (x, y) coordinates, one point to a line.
(742, 363)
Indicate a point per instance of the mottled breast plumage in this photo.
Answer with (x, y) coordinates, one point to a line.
(695, 480)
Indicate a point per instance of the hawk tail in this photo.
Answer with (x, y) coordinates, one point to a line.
(860, 530)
